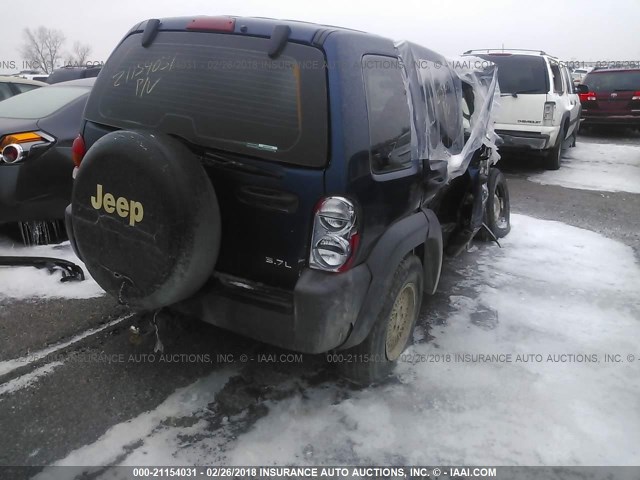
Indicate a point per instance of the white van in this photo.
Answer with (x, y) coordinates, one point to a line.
(539, 106)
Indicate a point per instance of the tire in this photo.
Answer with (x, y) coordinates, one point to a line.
(42, 232)
(392, 332)
(497, 212)
(574, 137)
(160, 244)
(554, 156)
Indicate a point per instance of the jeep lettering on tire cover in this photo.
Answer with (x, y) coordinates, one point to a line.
(125, 208)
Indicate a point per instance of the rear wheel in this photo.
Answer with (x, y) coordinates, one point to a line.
(554, 156)
(497, 212)
(374, 359)
(574, 137)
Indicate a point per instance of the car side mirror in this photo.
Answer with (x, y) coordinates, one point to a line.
(582, 88)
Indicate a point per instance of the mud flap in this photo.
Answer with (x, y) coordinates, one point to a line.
(433, 253)
(70, 271)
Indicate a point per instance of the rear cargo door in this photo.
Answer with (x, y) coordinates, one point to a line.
(266, 213)
(258, 124)
(521, 109)
(614, 102)
(614, 91)
(524, 85)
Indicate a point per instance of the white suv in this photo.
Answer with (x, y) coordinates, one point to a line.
(578, 74)
(539, 106)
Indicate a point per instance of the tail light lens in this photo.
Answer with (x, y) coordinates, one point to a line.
(549, 110)
(12, 153)
(78, 150)
(587, 97)
(16, 146)
(335, 235)
(636, 96)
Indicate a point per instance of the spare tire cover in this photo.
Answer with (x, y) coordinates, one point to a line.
(145, 218)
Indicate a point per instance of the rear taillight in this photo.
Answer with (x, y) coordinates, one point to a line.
(78, 150)
(636, 95)
(549, 110)
(587, 97)
(16, 146)
(335, 236)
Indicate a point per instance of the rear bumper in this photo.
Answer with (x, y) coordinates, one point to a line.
(316, 317)
(540, 139)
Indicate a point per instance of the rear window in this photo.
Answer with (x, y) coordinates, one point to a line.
(219, 91)
(520, 73)
(68, 74)
(40, 102)
(609, 81)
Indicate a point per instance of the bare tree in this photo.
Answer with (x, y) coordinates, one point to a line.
(42, 47)
(79, 56)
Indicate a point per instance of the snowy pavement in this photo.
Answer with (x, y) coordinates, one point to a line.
(544, 311)
(28, 282)
(527, 355)
(597, 166)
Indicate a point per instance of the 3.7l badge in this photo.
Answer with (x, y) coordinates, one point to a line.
(277, 262)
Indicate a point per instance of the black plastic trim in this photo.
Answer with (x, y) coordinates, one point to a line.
(399, 240)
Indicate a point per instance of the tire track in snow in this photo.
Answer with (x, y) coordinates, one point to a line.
(28, 379)
(8, 366)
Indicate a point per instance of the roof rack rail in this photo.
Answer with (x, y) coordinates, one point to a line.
(489, 50)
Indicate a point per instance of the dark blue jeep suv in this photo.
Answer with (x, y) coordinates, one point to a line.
(293, 182)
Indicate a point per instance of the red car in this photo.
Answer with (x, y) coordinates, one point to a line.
(613, 98)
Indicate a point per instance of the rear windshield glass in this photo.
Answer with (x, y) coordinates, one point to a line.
(521, 73)
(609, 81)
(219, 91)
(40, 102)
(67, 74)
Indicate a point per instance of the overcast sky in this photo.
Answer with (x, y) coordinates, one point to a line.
(583, 30)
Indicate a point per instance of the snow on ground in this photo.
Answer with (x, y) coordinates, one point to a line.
(8, 366)
(28, 379)
(29, 282)
(564, 293)
(597, 166)
(185, 401)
